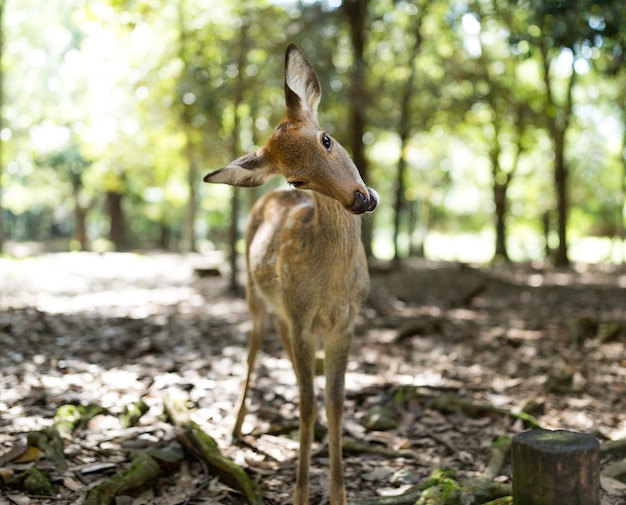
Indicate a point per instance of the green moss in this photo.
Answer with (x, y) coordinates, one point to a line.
(50, 443)
(133, 412)
(69, 417)
(505, 500)
(37, 483)
(442, 489)
(448, 492)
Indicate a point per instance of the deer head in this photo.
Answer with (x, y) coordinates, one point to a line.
(301, 151)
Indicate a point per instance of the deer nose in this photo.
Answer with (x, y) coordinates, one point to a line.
(364, 202)
(373, 199)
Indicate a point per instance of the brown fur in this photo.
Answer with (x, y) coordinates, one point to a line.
(305, 259)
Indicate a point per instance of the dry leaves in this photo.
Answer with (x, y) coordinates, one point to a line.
(117, 332)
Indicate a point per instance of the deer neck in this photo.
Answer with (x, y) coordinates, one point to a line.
(332, 220)
(338, 251)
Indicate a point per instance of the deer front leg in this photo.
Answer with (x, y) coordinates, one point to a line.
(304, 365)
(258, 312)
(336, 351)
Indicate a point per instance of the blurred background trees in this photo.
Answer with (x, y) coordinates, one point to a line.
(493, 129)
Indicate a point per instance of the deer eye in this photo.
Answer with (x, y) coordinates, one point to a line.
(326, 141)
(296, 184)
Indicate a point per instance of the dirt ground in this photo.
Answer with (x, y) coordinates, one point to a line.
(447, 354)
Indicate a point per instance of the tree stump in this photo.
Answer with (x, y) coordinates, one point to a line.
(555, 467)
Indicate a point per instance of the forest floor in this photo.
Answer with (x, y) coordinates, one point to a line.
(447, 355)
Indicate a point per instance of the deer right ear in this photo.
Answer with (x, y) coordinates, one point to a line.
(248, 171)
(302, 87)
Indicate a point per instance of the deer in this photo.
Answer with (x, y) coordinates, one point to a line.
(305, 260)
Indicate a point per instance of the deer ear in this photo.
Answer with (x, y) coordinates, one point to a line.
(302, 87)
(248, 171)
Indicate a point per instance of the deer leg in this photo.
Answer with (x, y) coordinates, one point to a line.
(336, 351)
(282, 327)
(258, 313)
(303, 349)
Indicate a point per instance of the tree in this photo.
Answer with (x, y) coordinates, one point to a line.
(237, 102)
(404, 130)
(505, 108)
(612, 64)
(2, 2)
(356, 15)
(621, 229)
(71, 161)
(191, 137)
(558, 32)
(402, 79)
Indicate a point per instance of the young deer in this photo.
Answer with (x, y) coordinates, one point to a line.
(305, 258)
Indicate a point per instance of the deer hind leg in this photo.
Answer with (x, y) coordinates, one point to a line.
(336, 351)
(303, 348)
(258, 314)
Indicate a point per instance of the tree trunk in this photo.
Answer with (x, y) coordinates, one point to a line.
(419, 226)
(499, 197)
(621, 230)
(500, 186)
(404, 131)
(399, 203)
(192, 205)
(117, 231)
(189, 234)
(547, 227)
(2, 2)
(555, 467)
(235, 203)
(164, 235)
(560, 183)
(355, 12)
(558, 119)
(233, 237)
(80, 230)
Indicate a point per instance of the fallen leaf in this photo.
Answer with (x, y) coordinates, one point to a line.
(19, 499)
(379, 473)
(72, 484)
(19, 447)
(6, 474)
(97, 467)
(30, 454)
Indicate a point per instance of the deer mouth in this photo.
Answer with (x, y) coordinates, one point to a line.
(364, 202)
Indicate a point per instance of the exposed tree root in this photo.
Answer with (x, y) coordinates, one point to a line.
(613, 447)
(443, 488)
(141, 474)
(616, 471)
(355, 447)
(50, 443)
(206, 448)
(448, 402)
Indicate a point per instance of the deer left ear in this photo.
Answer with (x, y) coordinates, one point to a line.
(248, 171)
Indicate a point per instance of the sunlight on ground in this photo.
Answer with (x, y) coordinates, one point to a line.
(74, 282)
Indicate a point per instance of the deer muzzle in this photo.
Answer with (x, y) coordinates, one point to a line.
(364, 202)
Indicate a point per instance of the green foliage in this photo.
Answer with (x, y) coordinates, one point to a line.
(141, 98)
